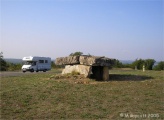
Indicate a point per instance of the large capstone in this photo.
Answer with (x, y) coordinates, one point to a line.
(84, 60)
(95, 61)
(70, 60)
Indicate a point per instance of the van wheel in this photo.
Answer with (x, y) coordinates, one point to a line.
(24, 71)
(44, 70)
(32, 70)
(36, 70)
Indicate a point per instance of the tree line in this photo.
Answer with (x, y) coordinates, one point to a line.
(137, 64)
(7, 66)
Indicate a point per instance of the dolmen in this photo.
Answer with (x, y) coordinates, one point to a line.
(87, 65)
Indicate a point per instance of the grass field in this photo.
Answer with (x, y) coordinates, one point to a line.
(128, 95)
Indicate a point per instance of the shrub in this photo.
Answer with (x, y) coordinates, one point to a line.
(12, 66)
(76, 54)
(160, 66)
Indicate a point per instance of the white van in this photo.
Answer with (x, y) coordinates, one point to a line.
(34, 63)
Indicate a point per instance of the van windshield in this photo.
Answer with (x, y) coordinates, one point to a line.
(30, 63)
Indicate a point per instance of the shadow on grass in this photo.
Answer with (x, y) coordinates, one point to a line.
(119, 77)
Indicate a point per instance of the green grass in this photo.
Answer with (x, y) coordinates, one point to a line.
(36, 96)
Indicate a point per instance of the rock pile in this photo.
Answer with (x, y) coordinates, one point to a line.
(87, 65)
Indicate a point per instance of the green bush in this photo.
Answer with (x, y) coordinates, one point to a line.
(117, 64)
(76, 54)
(12, 66)
(160, 66)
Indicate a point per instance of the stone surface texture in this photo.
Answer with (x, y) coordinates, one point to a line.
(105, 73)
(95, 61)
(84, 60)
(82, 69)
(70, 60)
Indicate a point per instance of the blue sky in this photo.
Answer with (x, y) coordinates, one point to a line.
(121, 29)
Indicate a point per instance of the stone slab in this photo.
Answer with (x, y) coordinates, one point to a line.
(82, 69)
(70, 60)
(95, 61)
(84, 60)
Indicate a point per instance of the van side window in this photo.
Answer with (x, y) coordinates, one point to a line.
(34, 63)
(41, 61)
(46, 61)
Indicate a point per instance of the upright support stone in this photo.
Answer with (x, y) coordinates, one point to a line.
(82, 69)
(100, 73)
(105, 76)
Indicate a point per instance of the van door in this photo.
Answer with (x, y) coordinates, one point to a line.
(37, 66)
(34, 65)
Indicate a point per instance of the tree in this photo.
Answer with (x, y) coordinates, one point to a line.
(117, 64)
(1, 55)
(138, 64)
(76, 54)
(160, 66)
(3, 63)
(149, 64)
